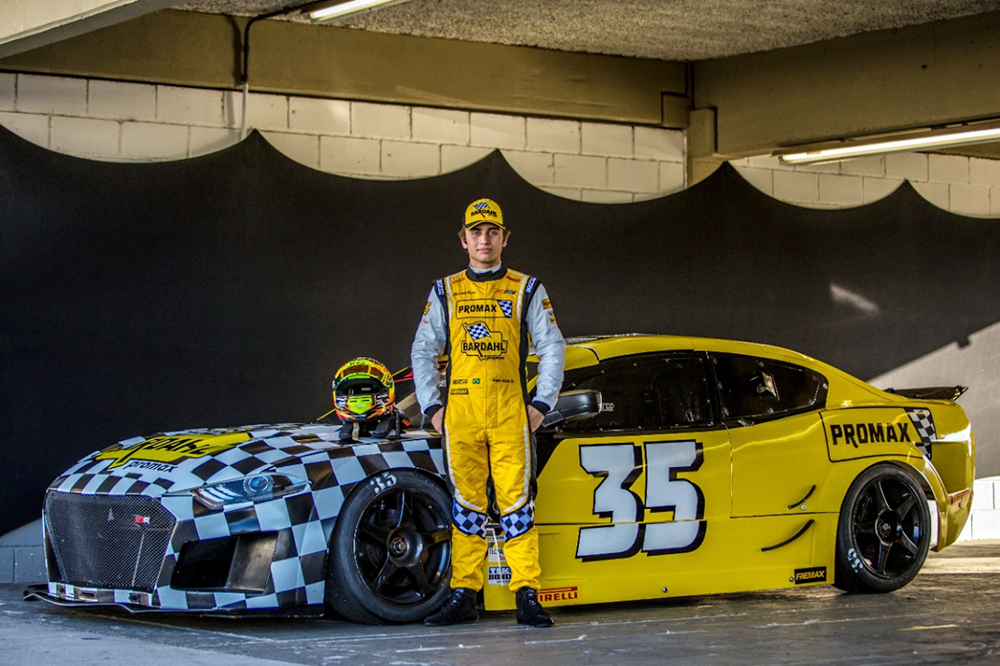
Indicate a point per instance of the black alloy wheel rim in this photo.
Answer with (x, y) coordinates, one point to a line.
(403, 546)
(887, 531)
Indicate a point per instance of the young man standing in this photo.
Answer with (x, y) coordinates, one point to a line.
(482, 318)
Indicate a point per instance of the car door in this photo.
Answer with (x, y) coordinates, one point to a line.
(635, 491)
(780, 464)
(771, 409)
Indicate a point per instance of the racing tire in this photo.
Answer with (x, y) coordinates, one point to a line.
(389, 560)
(883, 533)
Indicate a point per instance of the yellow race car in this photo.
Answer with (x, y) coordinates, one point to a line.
(670, 466)
(689, 466)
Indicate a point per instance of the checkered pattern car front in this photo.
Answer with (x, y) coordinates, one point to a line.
(296, 527)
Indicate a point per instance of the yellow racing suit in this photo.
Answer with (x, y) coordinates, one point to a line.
(483, 321)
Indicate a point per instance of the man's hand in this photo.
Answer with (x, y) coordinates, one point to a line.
(535, 418)
(437, 421)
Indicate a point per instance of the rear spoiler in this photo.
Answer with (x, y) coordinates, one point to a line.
(931, 392)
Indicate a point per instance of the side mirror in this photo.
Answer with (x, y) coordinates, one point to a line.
(573, 406)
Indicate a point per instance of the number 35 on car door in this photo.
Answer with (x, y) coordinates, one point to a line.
(631, 508)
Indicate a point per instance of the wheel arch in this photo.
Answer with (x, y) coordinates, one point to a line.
(926, 475)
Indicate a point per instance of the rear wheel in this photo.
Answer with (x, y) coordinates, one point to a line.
(884, 531)
(390, 556)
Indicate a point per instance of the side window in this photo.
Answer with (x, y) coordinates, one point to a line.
(651, 392)
(758, 389)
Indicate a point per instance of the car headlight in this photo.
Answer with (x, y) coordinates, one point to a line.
(255, 488)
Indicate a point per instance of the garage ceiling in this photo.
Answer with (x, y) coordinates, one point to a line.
(683, 30)
(744, 77)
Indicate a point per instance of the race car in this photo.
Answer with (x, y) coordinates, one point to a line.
(671, 466)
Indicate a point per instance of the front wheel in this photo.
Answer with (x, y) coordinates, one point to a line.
(390, 556)
(883, 534)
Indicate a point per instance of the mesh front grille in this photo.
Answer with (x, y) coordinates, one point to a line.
(108, 542)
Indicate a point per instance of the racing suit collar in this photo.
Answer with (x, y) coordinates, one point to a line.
(486, 276)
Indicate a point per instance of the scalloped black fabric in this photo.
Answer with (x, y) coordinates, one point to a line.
(227, 288)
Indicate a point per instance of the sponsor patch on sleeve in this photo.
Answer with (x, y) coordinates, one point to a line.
(427, 308)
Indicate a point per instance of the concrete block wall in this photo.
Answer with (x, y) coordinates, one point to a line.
(22, 557)
(964, 185)
(984, 521)
(110, 120)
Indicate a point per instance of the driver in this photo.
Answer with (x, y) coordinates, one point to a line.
(485, 318)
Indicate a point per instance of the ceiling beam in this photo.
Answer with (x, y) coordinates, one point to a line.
(192, 49)
(31, 24)
(929, 75)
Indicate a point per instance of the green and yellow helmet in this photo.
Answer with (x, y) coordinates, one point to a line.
(363, 390)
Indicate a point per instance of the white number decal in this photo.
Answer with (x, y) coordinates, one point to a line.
(620, 465)
(665, 492)
(382, 482)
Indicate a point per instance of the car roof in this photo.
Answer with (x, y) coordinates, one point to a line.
(845, 389)
(610, 346)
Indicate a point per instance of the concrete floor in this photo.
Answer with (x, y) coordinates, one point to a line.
(949, 614)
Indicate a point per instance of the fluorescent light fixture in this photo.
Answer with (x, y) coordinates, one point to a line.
(325, 11)
(845, 149)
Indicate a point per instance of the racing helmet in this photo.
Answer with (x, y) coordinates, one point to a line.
(363, 390)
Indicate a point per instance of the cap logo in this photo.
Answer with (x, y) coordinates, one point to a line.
(483, 208)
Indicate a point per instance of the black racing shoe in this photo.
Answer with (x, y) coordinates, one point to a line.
(529, 611)
(460, 608)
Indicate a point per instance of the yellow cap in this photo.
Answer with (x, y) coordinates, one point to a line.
(484, 210)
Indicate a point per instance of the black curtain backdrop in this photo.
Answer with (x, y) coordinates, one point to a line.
(226, 289)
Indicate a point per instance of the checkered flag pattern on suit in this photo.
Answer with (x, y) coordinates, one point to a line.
(478, 331)
(507, 307)
(518, 522)
(468, 521)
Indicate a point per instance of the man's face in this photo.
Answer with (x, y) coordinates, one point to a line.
(484, 242)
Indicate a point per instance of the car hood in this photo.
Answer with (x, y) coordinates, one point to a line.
(181, 460)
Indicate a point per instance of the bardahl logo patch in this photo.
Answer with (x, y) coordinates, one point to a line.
(482, 208)
(810, 575)
(172, 449)
(855, 434)
(482, 342)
